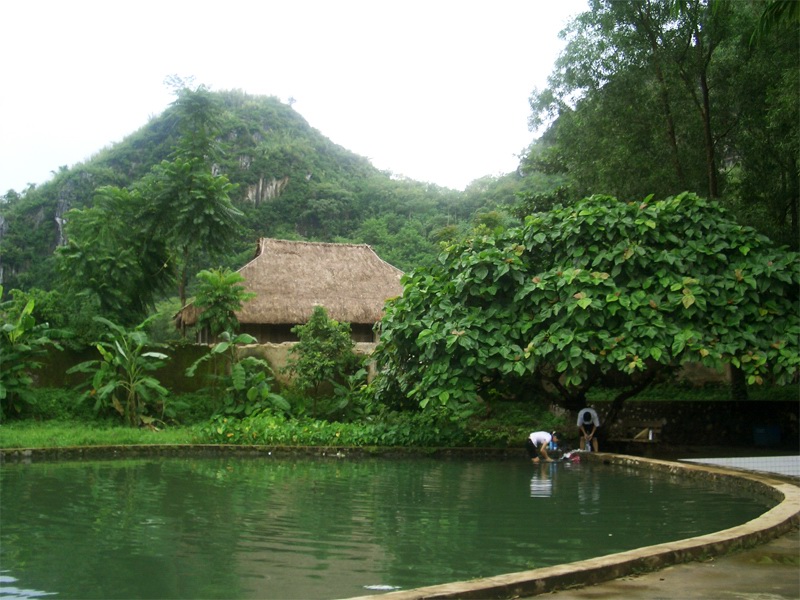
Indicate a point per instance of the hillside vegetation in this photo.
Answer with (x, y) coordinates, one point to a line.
(292, 183)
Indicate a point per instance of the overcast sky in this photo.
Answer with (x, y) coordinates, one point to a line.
(436, 90)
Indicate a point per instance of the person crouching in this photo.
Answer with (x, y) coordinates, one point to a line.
(538, 444)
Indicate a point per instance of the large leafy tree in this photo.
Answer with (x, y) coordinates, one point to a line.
(110, 257)
(189, 208)
(603, 292)
(764, 183)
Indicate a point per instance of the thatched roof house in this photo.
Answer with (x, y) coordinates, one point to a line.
(291, 278)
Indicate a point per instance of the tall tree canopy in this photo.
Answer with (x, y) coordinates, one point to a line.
(187, 203)
(132, 242)
(603, 291)
(649, 99)
(110, 259)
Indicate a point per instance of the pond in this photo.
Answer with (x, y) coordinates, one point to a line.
(269, 527)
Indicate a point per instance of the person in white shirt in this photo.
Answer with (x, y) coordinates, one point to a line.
(588, 423)
(537, 445)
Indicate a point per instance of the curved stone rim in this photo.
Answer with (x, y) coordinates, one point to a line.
(778, 520)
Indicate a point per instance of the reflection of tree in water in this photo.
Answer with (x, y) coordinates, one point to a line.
(139, 522)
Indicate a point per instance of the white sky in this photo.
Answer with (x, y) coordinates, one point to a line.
(436, 90)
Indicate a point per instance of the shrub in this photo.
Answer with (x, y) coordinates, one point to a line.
(246, 381)
(427, 429)
(23, 343)
(56, 404)
(324, 354)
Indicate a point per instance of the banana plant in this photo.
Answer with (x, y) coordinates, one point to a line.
(22, 343)
(121, 377)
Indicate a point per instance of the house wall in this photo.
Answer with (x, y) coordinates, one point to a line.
(173, 374)
(279, 334)
(277, 355)
(272, 334)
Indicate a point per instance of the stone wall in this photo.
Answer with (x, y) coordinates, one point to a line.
(713, 423)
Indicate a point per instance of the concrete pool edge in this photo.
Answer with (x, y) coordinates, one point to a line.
(778, 520)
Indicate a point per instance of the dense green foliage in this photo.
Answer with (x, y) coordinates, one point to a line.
(323, 355)
(286, 179)
(649, 99)
(219, 295)
(240, 384)
(23, 344)
(598, 293)
(127, 249)
(403, 429)
(122, 377)
(505, 429)
(110, 263)
(658, 97)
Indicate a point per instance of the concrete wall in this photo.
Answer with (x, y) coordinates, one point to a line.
(173, 374)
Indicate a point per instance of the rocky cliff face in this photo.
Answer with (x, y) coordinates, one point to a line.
(266, 190)
(73, 193)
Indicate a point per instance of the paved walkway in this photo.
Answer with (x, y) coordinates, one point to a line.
(767, 572)
(780, 465)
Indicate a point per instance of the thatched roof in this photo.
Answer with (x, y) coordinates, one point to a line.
(291, 278)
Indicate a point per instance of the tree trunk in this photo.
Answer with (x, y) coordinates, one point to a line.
(184, 277)
(708, 138)
(646, 23)
(672, 139)
(619, 401)
(694, 72)
(738, 385)
(793, 196)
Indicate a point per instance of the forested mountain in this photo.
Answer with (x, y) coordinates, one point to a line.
(649, 97)
(291, 182)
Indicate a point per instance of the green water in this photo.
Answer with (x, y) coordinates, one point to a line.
(325, 528)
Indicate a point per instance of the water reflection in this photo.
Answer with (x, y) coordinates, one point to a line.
(588, 493)
(303, 528)
(542, 479)
(10, 592)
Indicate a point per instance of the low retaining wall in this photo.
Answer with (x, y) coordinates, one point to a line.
(773, 523)
(717, 423)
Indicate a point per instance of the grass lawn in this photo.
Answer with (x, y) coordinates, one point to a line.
(72, 431)
(61, 434)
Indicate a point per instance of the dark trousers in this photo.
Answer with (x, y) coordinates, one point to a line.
(533, 451)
